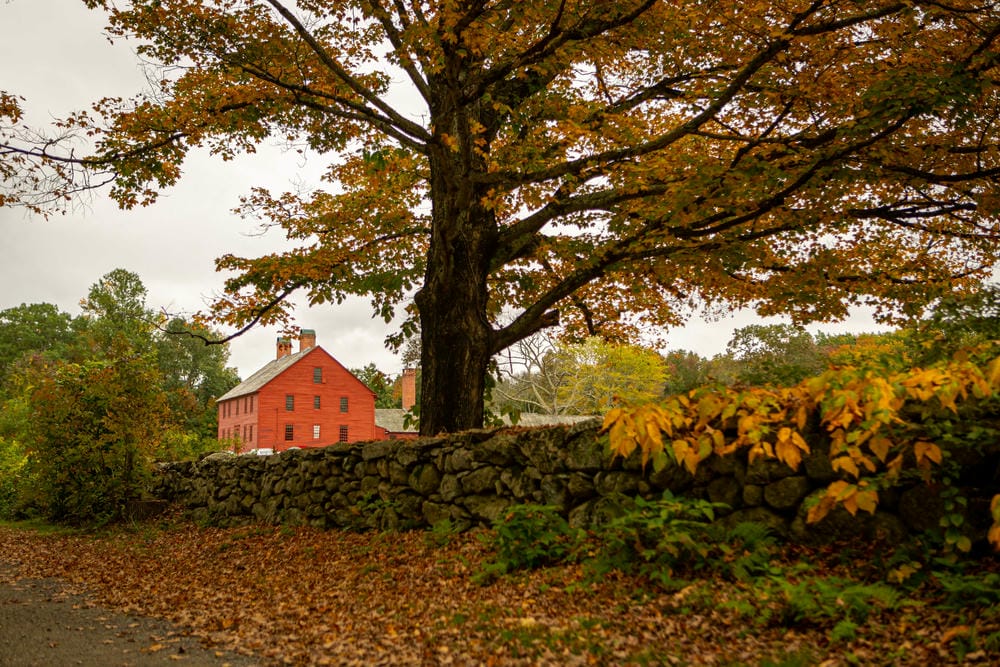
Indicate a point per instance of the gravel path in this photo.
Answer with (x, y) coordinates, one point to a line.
(42, 623)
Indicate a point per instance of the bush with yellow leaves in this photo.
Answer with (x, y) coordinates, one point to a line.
(881, 425)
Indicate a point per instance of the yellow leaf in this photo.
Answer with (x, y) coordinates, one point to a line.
(880, 446)
(801, 417)
(664, 421)
(789, 454)
(692, 461)
(756, 452)
(840, 489)
(680, 448)
(851, 504)
(800, 442)
(847, 464)
(867, 501)
(612, 418)
(819, 511)
(947, 398)
(719, 438)
(993, 373)
(621, 442)
(449, 141)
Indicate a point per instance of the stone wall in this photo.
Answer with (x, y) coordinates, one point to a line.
(472, 478)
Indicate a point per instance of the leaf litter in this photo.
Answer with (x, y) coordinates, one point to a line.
(307, 596)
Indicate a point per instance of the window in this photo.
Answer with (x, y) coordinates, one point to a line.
(289, 432)
(316, 402)
(251, 434)
(317, 375)
(316, 432)
(251, 402)
(343, 434)
(289, 402)
(343, 404)
(237, 404)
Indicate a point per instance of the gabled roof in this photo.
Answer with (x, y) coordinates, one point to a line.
(273, 369)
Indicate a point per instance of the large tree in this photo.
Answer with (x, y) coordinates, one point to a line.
(604, 164)
(115, 315)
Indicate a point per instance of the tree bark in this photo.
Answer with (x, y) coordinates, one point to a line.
(456, 335)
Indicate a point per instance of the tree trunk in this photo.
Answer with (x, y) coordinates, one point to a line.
(454, 362)
(456, 334)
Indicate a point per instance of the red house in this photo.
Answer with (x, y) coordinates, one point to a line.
(305, 399)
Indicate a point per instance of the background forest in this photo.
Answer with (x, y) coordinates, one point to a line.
(545, 375)
(88, 402)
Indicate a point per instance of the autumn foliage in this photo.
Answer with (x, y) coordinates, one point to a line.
(880, 426)
(498, 167)
(93, 429)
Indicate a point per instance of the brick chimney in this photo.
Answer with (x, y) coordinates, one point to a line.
(408, 386)
(307, 339)
(284, 347)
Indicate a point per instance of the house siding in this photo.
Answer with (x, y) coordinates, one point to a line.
(238, 420)
(270, 417)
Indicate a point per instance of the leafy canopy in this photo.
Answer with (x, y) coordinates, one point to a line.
(615, 162)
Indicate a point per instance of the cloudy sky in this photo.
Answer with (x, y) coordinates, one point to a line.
(54, 54)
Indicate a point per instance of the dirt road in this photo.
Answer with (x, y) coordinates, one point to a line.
(43, 623)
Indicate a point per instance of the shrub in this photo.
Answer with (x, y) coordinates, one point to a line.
(883, 427)
(529, 536)
(657, 538)
(12, 474)
(92, 430)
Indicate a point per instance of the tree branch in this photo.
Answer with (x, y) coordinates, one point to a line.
(405, 125)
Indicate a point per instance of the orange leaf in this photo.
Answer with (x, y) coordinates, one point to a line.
(994, 536)
(924, 450)
(895, 465)
(955, 631)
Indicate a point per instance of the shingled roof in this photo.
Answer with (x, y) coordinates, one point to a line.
(272, 370)
(391, 419)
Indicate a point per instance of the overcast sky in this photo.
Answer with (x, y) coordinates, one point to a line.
(54, 54)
